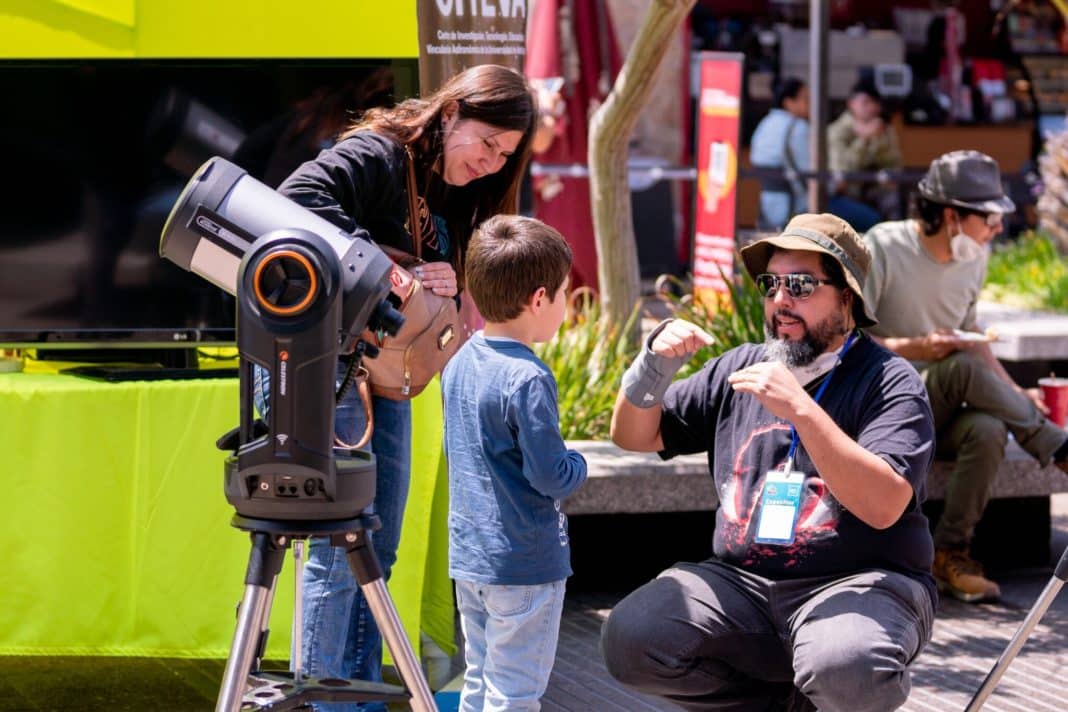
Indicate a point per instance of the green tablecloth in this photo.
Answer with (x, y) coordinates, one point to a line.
(116, 531)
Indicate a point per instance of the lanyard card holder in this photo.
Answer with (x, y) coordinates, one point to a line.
(780, 502)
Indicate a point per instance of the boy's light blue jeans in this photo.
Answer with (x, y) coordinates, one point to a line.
(339, 635)
(510, 635)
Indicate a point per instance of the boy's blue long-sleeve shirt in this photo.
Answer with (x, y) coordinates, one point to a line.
(508, 466)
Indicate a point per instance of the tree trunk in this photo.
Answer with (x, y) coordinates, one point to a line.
(610, 130)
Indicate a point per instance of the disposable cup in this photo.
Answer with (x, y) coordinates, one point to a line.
(1055, 394)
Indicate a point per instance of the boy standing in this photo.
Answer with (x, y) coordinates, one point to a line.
(508, 467)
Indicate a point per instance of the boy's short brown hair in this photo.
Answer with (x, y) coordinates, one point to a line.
(509, 258)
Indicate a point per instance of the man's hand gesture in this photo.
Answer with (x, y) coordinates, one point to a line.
(679, 339)
(771, 383)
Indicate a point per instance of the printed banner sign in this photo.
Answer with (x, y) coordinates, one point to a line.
(457, 34)
(718, 117)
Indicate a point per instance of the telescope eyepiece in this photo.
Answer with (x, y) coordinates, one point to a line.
(386, 317)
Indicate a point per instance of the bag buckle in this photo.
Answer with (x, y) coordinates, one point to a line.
(447, 334)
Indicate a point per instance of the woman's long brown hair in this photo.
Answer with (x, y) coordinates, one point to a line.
(489, 93)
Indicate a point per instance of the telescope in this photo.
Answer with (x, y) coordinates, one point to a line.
(306, 290)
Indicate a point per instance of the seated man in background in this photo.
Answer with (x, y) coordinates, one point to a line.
(781, 142)
(861, 140)
(923, 286)
(819, 593)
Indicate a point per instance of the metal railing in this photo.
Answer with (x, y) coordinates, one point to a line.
(654, 173)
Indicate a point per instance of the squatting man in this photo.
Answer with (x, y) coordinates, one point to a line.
(819, 591)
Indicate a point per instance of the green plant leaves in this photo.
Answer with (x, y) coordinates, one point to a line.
(588, 356)
(1028, 273)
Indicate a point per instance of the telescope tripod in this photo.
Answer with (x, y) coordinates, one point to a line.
(246, 688)
(1042, 604)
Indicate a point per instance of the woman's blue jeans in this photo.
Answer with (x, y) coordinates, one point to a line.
(339, 636)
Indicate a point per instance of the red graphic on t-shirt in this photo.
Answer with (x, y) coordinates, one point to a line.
(817, 519)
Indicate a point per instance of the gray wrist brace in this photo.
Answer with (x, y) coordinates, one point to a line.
(645, 382)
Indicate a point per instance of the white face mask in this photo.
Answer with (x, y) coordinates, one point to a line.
(964, 248)
(810, 372)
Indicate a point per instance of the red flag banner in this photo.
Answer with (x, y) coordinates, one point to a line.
(718, 117)
(457, 34)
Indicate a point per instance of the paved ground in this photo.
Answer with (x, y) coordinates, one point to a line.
(967, 641)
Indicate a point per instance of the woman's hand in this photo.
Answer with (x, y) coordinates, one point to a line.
(438, 277)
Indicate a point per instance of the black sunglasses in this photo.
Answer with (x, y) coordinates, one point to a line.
(798, 286)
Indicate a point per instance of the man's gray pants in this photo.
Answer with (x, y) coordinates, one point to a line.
(709, 636)
(973, 411)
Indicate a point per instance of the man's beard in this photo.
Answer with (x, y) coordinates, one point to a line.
(811, 344)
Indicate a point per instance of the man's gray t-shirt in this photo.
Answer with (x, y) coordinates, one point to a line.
(910, 293)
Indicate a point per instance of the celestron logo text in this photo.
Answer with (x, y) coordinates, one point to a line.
(283, 360)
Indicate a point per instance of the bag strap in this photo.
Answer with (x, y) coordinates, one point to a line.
(364, 390)
(414, 226)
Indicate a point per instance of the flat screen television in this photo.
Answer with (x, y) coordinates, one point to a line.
(96, 152)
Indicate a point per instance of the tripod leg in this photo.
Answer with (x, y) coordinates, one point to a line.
(1045, 599)
(368, 573)
(264, 563)
(260, 650)
(295, 650)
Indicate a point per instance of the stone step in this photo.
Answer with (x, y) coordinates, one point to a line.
(631, 482)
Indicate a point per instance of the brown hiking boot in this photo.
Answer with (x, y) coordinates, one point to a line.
(962, 576)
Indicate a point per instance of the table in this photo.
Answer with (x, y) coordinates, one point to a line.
(116, 530)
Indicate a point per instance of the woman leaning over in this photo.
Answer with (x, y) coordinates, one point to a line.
(470, 144)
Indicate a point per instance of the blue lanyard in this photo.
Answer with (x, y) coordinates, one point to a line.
(819, 393)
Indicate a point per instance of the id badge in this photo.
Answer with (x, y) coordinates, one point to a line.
(779, 505)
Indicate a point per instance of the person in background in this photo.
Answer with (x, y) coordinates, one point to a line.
(509, 467)
(923, 286)
(819, 593)
(470, 143)
(780, 142)
(861, 140)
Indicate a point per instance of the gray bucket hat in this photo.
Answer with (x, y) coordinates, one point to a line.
(966, 179)
(819, 233)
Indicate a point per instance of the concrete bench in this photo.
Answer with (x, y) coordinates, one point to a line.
(1025, 335)
(625, 482)
(632, 483)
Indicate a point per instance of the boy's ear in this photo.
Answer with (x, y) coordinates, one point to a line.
(538, 299)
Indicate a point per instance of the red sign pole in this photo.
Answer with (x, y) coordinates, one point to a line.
(716, 198)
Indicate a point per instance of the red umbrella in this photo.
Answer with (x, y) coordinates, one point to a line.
(572, 39)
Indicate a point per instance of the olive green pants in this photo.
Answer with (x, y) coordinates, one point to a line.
(973, 411)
